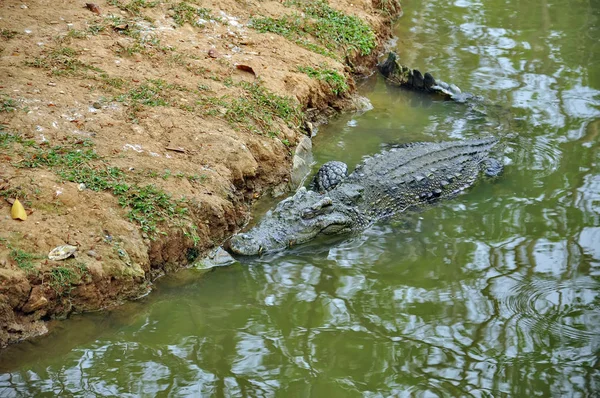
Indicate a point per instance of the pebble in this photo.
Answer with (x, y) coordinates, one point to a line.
(92, 254)
(52, 84)
(97, 105)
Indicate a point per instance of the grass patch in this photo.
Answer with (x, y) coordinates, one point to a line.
(134, 6)
(8, 34)
(336, 81)
(154, 92)
(149, 205)
(62, 278)
(95, 29)
(7, 104)
(76, 34)
(62, 61)
(183, 13)
(7, 139)
(329, 27)
(76, 161)
(24, 260)
(256, 109)
(292, 28)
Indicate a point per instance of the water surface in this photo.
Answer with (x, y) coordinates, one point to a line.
(496, 292)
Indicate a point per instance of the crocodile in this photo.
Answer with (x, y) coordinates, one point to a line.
(397, 74)
(478, 107)
(400, 177)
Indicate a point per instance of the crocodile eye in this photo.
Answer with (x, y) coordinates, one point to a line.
(321, 207)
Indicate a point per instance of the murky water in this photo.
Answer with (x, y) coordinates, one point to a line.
(494, 292)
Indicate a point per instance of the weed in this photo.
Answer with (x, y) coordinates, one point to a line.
(196, 16)
(8, 34)
(61, 279)
(7, 138)
(149, 206)
(96, 29)
(76, 161)
(76, 34)
(166, 174)
(113, 82)
(197, 178)
(70, 156)
(134, 6)
(7, 104)
(62, 61)
(256, 109)
(331, 28)
(259, 108)
(151, 93)
(336, 81)
(292, 28)
(24, 260)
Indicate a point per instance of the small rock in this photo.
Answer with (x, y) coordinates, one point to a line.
(97, 105)
(36, 301)
(92, 254)
(24, 6)
(216, 258)
(81, 186)
(52, 84)
(15, 327)
(302, 162)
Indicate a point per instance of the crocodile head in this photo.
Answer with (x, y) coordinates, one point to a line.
(295, 220)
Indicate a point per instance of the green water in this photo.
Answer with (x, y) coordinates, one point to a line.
(496, 292)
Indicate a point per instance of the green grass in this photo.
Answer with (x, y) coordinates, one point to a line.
(8, 34)
(153, 92)
(7, 104)
(258, 110)
(292, 28)
(337, 28)
(329, 27)
(183, 13)
(24, 260)
(8, 138)
(96, 29)
(62, 61)
(336, 81)
(76, 34)
(134, 6)
(76, 161)
(62, 278)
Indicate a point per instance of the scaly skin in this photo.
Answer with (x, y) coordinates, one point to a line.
(400, 75)
(386, 184)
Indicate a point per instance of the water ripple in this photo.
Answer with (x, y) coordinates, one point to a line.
(565, 309)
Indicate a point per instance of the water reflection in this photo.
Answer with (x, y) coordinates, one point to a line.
(496, 292)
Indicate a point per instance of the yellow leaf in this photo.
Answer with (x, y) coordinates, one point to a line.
(17, 211)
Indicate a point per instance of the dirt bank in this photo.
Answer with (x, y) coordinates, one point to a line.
(139, 132)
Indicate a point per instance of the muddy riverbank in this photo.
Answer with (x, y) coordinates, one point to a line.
(141, 131)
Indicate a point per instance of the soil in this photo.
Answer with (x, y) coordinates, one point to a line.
(154, 101)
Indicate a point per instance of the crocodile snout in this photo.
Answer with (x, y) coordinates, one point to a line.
(244, 245)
